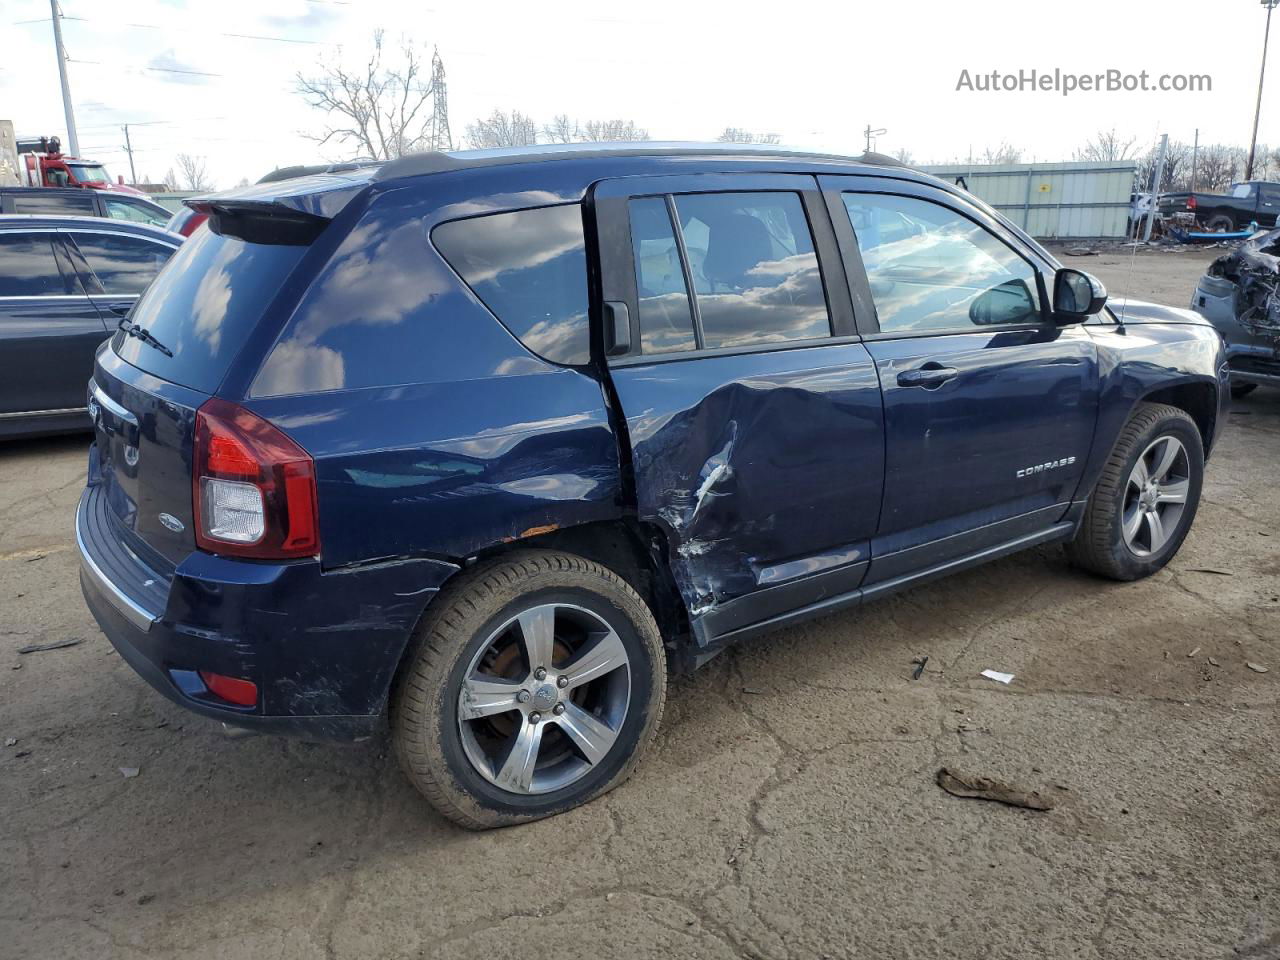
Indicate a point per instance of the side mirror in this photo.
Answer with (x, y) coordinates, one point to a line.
(1077, 296)
(1009, 303)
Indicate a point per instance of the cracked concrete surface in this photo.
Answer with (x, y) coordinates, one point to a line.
(788, 809)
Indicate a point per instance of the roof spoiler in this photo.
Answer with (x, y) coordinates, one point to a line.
(256, 221)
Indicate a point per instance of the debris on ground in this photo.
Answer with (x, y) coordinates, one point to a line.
(1213, 662)
(997, 676)
(10, 741)
(984, 788)
(1258, 668)
(1193, 653)
(756, 691)
(1081, 252)
(919, 666)
(1216, 573)
(38, 556)
(53, 645)
(129, 772)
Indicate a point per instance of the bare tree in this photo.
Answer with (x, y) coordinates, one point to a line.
(170, 179)
(1005, 153)
(1177, 168)
(500, 129)
(562, 129)
(1218, 166)
(1107, 145)
(194, 173)
(904, 156)
(600, 131)
(382, 111)
(739, 135)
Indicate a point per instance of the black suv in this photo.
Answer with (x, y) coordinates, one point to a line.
(480, 445)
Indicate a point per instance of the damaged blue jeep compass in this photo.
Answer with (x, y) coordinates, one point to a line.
(480, 446)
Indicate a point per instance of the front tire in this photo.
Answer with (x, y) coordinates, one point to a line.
(535, 684)
(1145, 502)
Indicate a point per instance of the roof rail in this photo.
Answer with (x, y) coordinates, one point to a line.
(418, 164)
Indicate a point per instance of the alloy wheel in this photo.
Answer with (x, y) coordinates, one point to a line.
(1156, 496)
(543, 700)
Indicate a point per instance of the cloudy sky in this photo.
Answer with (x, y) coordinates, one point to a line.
(216, 79)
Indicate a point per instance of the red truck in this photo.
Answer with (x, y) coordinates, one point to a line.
(41, 163)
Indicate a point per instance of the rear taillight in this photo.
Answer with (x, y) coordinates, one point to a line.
(1191, 203)
(254, 489)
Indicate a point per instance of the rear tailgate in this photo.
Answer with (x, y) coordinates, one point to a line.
(143, 430)
(171, 355)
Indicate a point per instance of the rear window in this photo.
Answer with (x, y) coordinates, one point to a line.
(53, 203)
(202, 306)
(529, 268)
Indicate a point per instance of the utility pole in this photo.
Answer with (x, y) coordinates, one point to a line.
(1195, 155)
(1257, 113)
(128, 148)
(1155, 186)
(869, 133)
(72, 140)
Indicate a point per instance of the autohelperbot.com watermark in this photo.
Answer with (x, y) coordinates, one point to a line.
(1065, 83)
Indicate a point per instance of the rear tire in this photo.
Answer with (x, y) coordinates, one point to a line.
(535, 684)
(1220, 224)
(1239, 390)
(1118, 538)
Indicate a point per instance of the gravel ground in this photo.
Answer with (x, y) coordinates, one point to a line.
(788, 810)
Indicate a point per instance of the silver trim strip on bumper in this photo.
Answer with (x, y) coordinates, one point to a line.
(132, 611)
(109, 404)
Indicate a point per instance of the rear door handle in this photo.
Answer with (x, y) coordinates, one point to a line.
(930, 376)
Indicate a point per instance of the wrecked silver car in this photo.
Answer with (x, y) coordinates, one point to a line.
(1240, 296)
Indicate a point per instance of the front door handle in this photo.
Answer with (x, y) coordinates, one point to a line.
(930, 376)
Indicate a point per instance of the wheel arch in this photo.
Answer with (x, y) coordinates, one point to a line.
(1198, 399)
(633, 549)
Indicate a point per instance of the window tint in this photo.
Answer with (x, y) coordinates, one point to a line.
(932, 269)
(203, 306)
(28, 267)
(755, 273)
(530, 268)
(134, 212)
(53, 203)
(666, 319)
(122, 264)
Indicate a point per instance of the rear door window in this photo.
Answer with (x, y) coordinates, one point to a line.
(54, 203)
(135, 212)
(529, 267)
(28, 267)
(204, 304)
(123, 265)
(750, 260)
(755, 272)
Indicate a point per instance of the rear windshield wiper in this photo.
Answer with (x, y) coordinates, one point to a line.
(133, 330)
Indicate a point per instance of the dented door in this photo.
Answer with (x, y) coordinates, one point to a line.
(752, 411)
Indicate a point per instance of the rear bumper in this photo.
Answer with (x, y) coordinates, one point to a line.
(322, 647)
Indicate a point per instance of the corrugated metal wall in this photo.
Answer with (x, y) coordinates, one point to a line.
(1053, 200)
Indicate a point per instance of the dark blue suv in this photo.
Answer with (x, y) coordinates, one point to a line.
(480, 446)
